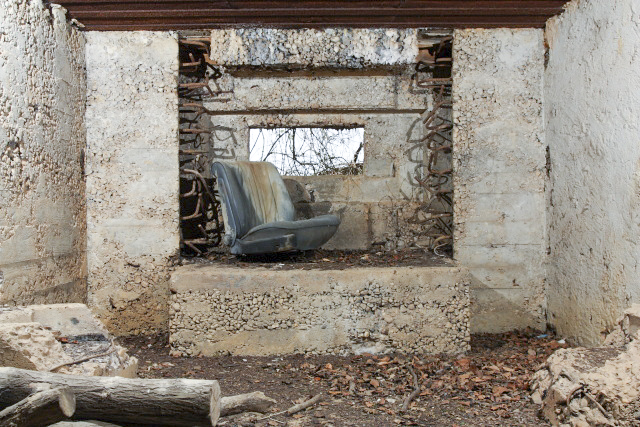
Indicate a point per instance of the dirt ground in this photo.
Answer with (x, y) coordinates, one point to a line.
(487, 387)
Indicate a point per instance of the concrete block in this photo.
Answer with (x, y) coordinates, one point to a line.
(526, 232)
(499, 174)
(132, 185)
(42, 138)
(354, 231)
(379, 167)
(220, 310)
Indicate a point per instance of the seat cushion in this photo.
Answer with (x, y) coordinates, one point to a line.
(283, 236)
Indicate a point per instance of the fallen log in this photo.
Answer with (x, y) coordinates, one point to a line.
(172, 402)
(40, 409)
(249, 402)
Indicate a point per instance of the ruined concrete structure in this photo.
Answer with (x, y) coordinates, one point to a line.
(335, 78)
(545, 128)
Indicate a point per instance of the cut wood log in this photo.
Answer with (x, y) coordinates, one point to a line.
(173, 402)
(40, 409)
(249, 402)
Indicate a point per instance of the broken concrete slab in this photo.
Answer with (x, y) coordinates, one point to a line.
(71, 320)
(63, 336)
(585, 387)
(627, 327)
(30, 346)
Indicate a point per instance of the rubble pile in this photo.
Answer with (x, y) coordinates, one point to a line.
(597, 386)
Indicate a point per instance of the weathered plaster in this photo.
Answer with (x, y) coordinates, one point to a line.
(499, 175)
(42, 136)
(220, 310)
(132, 176)
(592, 95)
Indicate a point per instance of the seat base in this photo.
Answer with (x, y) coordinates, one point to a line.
(287, 236)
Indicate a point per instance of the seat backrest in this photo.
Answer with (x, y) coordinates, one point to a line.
(252, 193)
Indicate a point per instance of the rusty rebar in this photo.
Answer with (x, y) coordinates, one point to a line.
(434, 176)
(200, 225)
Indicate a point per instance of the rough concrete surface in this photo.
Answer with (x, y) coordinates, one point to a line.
(132, 176)
(42, 137)
(331, 47)
(592, 127)
(499, 175)
(222, 310)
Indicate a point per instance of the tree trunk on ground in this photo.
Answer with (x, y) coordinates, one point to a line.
(249, 402)
(172, 402)
(40, 409)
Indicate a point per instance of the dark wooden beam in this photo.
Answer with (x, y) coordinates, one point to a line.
(202, 14)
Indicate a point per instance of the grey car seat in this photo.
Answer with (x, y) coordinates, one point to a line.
(259, 216)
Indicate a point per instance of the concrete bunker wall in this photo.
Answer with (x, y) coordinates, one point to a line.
(132, 176)
(331, 78)
(592, 107)
(499, 175)
(42, 138)
(132, 154)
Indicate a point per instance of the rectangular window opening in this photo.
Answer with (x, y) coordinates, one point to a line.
(309, 151)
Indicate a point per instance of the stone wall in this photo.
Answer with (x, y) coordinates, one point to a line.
(221, 310)
(132, 176)
(592, 107)
(499, 175)
(42, 137)
(334, 78)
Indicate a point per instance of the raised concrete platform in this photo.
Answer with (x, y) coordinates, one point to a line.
(228, 310)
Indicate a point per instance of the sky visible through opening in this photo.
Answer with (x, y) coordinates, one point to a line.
(306, 151)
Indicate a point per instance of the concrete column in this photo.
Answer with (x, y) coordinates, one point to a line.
(132, 176)
(499, 178)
